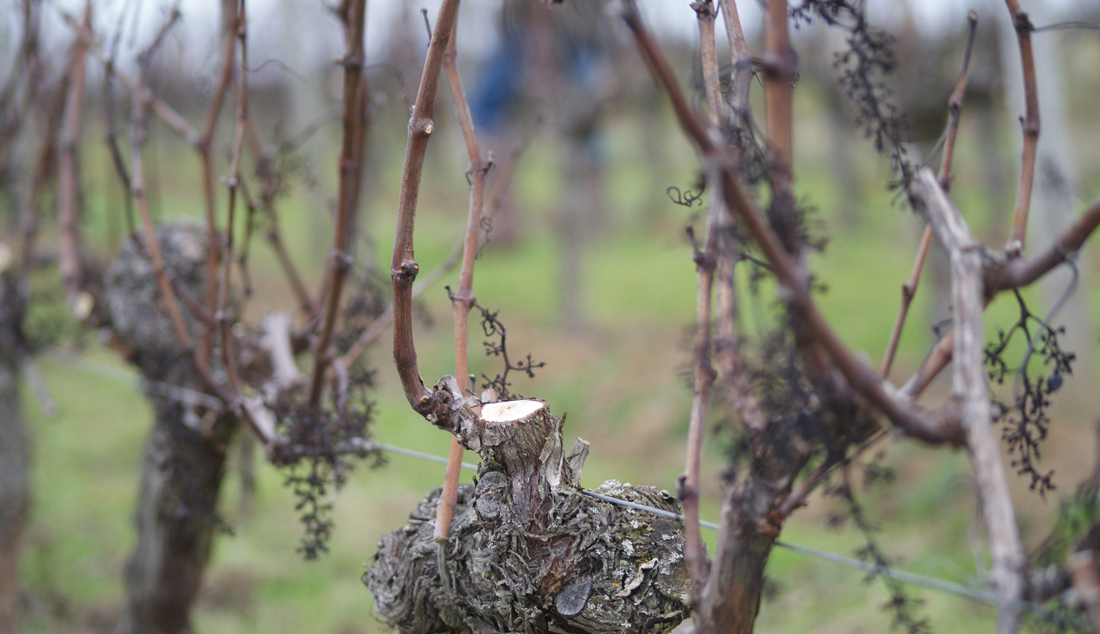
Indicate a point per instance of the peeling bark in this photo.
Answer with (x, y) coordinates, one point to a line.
(184, 459)
(528, 551)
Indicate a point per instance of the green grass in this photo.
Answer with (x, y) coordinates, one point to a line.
(621, 380)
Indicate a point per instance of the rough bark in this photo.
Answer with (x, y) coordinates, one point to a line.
(14, 454)
(184, 458)
(528, 551)
(731, 598)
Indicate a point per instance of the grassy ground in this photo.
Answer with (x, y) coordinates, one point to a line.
(621, 380)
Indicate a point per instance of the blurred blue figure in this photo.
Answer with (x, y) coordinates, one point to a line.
(499, 86)
(552, 62)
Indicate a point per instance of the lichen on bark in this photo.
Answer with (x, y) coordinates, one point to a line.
(184, 463)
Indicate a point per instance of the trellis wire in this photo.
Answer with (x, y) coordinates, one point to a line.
(90, 366)
(107, 371)
(419, 454)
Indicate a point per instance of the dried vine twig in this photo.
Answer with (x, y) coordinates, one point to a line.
(1015, 245)
(954, 109)
(68, 239)
(463, 299)
(350, 157)
(221, 314)
(230, 23)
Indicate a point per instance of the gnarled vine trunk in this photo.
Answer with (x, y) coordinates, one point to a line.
(184, 458)
(528, 551)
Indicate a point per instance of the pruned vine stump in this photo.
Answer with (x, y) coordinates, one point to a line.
(528, 550)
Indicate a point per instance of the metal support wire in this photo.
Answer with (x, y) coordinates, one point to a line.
(90, 366)
(107, 371)
(421, 455)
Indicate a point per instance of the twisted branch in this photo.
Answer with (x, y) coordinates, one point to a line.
(403, 267)
(930, 427)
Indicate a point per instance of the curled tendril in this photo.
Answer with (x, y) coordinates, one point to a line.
(485, 223)
(686, 198)
(485, 169)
